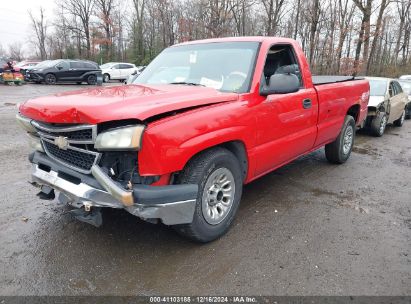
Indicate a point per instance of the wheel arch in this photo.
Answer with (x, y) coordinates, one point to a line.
(237, 147)
(354, 111)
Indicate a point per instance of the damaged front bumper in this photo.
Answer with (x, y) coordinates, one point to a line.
(172, 204)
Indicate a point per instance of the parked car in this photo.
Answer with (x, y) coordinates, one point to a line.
(26, 65)
(406, 86)
(405, 77)
(179, 152)
(64, 70)
(387, 104)
(134, 75)
(117, 71)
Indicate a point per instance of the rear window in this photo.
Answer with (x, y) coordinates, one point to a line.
(126, 66)
(406, 86)
(378, 87)
(75, 65)
(90, 66)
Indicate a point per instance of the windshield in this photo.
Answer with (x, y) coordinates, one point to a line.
(46, 64)
(225, 66)
(378, 87)
(406, 86)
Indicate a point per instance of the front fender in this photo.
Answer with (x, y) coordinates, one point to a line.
(167, 146)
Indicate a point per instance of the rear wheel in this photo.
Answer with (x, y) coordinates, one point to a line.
(378, 124)
(408, 111)
(50, 79)
(400, 121)
(92, 79)
(218, 176)
(340, 149)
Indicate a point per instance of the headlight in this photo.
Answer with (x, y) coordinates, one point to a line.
(35, 142)
(25, 123)
(128, 138)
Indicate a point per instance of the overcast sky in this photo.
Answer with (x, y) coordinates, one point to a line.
(15, 21)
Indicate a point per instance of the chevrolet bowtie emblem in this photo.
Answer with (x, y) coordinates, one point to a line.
(61, 142)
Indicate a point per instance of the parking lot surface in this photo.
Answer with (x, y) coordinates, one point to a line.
(309, 228)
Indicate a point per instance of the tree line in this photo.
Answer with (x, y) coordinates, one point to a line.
(348, 37)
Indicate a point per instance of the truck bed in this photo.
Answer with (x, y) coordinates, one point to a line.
(327, 79)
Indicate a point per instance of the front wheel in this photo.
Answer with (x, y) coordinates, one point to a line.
(378, 124)
(340, 149)
(218, 176)
(50, 79)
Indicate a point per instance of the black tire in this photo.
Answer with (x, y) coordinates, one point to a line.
(106, 77)
(400, 121)
(50, 79)
(200, 171)
(340, 149)
(92, 79)
(408, 111)
(378, 124)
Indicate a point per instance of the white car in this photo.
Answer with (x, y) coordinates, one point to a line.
(405, 77)
(386, 105)
(117, 71)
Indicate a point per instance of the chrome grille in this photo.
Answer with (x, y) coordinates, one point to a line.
(85, 134)
(77, 153)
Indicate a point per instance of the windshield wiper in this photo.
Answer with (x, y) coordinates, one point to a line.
(188, 83)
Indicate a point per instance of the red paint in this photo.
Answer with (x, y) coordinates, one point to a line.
(274, 129)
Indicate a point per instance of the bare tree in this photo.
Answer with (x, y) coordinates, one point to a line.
(104, 11)
(383, 6)
(80, 10)
(273, 10)
(40, 28)
(365, 7)
(16, 51)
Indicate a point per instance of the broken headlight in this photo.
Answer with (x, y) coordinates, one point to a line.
(124, 138)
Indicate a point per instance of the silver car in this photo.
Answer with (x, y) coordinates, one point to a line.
(386, 105)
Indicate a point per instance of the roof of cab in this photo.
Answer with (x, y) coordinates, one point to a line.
(238, 39)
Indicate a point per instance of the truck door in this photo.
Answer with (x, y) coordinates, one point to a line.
(287, 123)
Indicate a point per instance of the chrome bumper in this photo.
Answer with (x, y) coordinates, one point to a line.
(79, 195)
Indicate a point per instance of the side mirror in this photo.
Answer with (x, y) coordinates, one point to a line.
(281, 83)
(59, 68)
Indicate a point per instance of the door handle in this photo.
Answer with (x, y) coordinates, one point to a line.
(307, 103)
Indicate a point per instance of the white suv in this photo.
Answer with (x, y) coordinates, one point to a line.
(117, 70)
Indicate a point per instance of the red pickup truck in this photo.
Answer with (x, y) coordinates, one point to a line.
(202, 120)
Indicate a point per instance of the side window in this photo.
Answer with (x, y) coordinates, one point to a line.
(391, 90)
(75, 65)
(278, 57)
(125, 66)
(63, 65)
(116, 66)
(398, 88)
(89, 66)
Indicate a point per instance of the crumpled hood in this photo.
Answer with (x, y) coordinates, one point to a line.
(375, 100)
(92, 106)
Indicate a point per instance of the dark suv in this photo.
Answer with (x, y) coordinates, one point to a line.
(62, 70)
